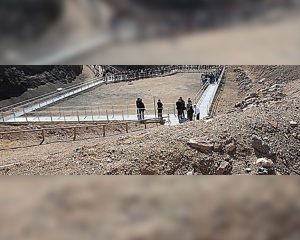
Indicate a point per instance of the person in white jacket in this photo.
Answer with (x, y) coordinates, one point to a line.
(197, 112)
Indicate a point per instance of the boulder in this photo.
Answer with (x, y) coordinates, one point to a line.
(224, 168)
(230, 148)
(267, 99)
(238, 105)
(218, 147)
(191, 173)
(260, 146)
(251, 95)
(264, 163)
(201, 145)
(293, 124)
(262, 171)
(250, 101)
(229, 140)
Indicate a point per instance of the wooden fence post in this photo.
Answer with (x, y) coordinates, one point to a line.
(75, 133)
(127, 127)
(43, 135)
(104, 134)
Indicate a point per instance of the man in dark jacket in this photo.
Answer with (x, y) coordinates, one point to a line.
(190, 113)
(189, 104)
(159, 108)
(142, 110)
(179, 109)
(138, 108)
(183, 107)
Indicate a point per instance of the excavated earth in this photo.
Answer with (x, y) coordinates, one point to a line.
(255, 130)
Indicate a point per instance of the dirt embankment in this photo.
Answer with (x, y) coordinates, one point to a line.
(242, 82)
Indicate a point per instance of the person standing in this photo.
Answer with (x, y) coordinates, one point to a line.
(189, 104)
(190, 113)
(138, 109)
(197, 112)
(183, 107)
(142, 110)
(179, 109)
(159, 108)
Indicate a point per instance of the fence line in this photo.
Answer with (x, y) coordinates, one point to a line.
(75, 129)
(90, 115)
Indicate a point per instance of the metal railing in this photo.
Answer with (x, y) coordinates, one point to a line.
(213, 96)
(94, 113)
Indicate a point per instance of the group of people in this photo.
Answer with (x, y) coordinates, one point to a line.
(191, 110)
(140, 106)
(211, 77)
(183, 110)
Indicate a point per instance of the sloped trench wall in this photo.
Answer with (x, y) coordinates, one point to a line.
(17, 83)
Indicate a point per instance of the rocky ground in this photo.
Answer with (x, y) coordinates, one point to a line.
(258, 133)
